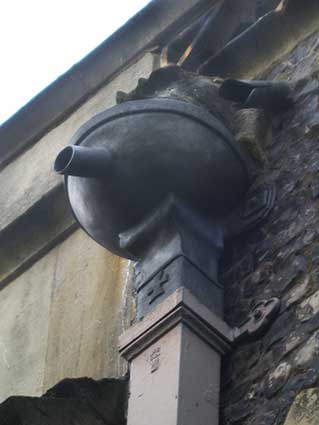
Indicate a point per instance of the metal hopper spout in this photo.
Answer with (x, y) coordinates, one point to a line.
(83, 161)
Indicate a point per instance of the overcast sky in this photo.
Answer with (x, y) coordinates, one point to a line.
(42, 39)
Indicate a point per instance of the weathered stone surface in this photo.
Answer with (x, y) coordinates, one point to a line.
(28, 181)
(285, 263)
(31, 175)
(107, 397)
(298, 292)
(301, 381)
(253, 130)
(87, 313)
(309, 236)
(309, 307)
(34, 233)
(280, 329)
(277, 379)
(315, 255)
(299, 67)
(315, 188)
(62, 318)
(25, 309)
(308, 353)
(78, 401)
(295, 267)
(265, 6)
(237, 412)
(291, 342)
(305, 409)
(38, 411)
(305, 87)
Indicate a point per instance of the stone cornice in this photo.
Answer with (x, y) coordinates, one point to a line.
(152, 26)
(34, 233)
(57, 101)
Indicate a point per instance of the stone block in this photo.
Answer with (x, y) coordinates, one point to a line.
(89, 308)
(309, 308)
(25, 309)
(308, 353)
(62, 318)
(78, 401)
(277, 379)
(305, 408)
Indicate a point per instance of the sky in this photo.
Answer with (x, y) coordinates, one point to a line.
(42, 39)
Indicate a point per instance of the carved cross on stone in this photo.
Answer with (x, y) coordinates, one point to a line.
(157, 288)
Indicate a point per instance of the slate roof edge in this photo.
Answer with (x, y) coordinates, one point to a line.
(152, 25)
(243, 57)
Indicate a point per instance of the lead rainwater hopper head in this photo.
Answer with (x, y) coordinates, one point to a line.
(162, 181)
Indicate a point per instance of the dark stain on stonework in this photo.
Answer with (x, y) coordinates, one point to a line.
(81, 401)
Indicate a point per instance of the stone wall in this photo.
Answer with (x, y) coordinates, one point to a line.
(273, 380)
(30, 187)
(62, 318)
(64, 300)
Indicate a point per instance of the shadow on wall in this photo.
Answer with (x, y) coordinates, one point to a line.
(82, 401)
